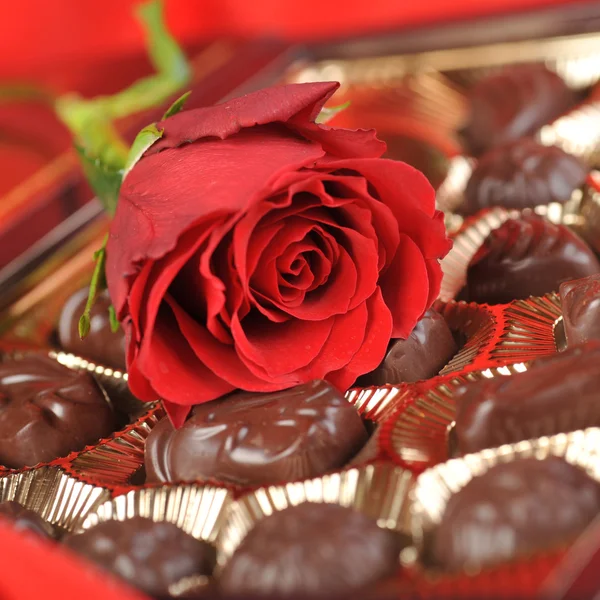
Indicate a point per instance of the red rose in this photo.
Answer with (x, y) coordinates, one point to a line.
(255, 249)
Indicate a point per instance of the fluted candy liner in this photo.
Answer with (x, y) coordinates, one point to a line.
(435, 486)
(579, 213)
(379, 490)
(450, 194)
(50, 492)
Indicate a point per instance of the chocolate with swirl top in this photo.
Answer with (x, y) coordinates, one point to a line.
(528, 256)
(580, 301)
(311, 550)
(523, 174)
(149, 555)
(422, 355)
(256, 438)
(515, 102)
(515, 509)
(101, 344)
(557, 394)
(48, 411)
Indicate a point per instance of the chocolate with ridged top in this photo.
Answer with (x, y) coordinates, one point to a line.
(256, 438)
(528, 256)
(557, 394)
(514, 509)
(311, 550)
(523, 174)
(580, 301)
(48, 411)
(24, 519)
(422, 355)
(149, 555)
(101, 344)
(512, 103)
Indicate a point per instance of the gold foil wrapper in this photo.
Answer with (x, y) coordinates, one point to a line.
(54, 495)
(450, 194)
(379, 490)
(435, 486)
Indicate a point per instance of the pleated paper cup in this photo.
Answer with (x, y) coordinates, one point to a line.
(450, 194)
(50, 492)
(378, 490)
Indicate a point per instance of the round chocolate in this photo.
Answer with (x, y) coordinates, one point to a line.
(422, 355)
(101, 344)
(514, 509)
(523, 174)
(557, 394)
(251, 438)
(580, 300)
(24, 519)
(529, 256)
(150, 556)
(310, 550)
(48, 411)
(513, 103)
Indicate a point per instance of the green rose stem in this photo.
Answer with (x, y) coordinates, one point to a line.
(105, 156)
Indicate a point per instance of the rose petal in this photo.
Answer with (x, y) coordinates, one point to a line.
(169, 193)
(405, 287)
(373, 347)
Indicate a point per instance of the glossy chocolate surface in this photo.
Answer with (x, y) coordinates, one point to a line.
(24, 519)
(150, 556)
(526, 257)
(523, 174)
(101, 345)
(253, 438)
(48, 411)
(309, 550)
(515, 508)
(557, 394)
(580, 301)
(425, 352)
(516, 101)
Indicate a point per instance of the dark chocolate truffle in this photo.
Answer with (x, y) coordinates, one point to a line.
(523, 174)
(514, 509)
(249, 438)
(48, 411)
(557, 394)
(512, 103)
(150, 556)
(581, 309)
(310, 550)
(101, 344)
(529, 256)
(24, 519)
(422, 355)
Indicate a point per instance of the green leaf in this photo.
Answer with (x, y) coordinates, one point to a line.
(104, 179)
(143, 140)
(97, 285)
(177, 106)
(114, 322)
(327, 113)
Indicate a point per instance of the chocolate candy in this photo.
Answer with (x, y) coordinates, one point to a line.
(309, 550)
(523, 174)
(24, 519)
(249, 439)
(422, 355)
(48, 411)
(581, 309)
(557, 394)
(150, 556)
(101, 344)
(512, 103)
(526, 257)
(514, 509)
